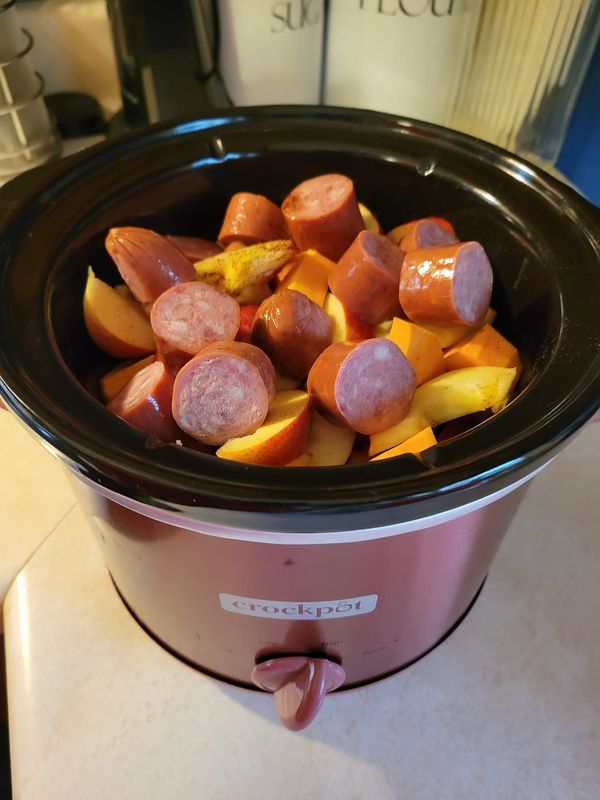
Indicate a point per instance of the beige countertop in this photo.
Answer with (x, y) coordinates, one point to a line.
(508, 707)
(34, 498)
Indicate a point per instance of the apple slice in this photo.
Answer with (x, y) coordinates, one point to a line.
(309, 273)
(112, 383)
(451, 334)
(305, 460)
(280, 439)
(117, 325)
(330, 444)
(447, 397)
(347, 327)
(383, 328)
(370, 220)
(421, 347)
(416, 444)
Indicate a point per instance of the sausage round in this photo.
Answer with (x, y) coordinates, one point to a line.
(448, 285)
(218, 396)
(252, 354)
(292, 330)
(323, 213)
(252, 218)
(145, 403)
(194, 248)
(187, 317)
(428, 233)
(368, 385)
(148, 262)
(367, 276)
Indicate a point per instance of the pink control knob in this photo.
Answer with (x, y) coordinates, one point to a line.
(300, 683)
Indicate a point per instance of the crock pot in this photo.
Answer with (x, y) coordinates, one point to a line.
(308, 580)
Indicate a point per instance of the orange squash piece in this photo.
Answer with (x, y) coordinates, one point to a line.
(484, 348)
(308, 274)
(421, 348)
(416, 444)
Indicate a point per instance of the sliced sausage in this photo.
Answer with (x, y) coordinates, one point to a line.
(368, 385)
(194, 248)
(252, 354)
(148, 262)
(323, 213)
(187, 317)
(367, 276)
(427, 233)
(292, 330)
(218, 396)
(145, 403)
(252, 218)
(448, 285)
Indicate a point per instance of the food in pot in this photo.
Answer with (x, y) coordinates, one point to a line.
(292, 330)
(298, 352)
(187, 317)
(148, 262)
(366, 277)
(252, 218)
(322, 213)
(450, 284)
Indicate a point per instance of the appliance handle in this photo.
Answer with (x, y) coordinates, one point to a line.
(299, 684)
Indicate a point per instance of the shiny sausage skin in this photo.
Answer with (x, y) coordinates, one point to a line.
(448, 285)
(187, 317)
(145, 403)
(367, 276)
(218, 396)
(368, 385)
(323, 213)
(292, 330)
(252, 218)
(194, 248)
(427, 233)
(148, 262)
(252, 354)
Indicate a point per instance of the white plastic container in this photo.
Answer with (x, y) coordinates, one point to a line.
(271, 52)
(399, 56)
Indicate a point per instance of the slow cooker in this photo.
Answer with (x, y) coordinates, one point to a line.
(309, 580)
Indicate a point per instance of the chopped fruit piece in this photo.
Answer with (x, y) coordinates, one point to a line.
(280, 439)
(347, 327)
(235, 270)
(485, 348)
(416, 444)
(117, 325)
(308, 274)
(421, 348)
(112, 383)
(451, 334)
(371, 223)
(330, 444)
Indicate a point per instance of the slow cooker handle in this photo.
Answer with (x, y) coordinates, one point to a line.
(300, 684)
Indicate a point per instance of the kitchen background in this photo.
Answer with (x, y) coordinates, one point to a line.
(524, 74)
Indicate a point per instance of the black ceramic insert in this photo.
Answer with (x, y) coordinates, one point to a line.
(542, 239)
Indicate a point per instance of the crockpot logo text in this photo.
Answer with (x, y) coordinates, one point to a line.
(298, 609)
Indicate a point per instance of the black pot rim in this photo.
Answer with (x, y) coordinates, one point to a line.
(337, 498)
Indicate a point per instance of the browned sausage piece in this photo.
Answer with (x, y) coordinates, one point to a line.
(218, 396)
(252, 354)
(366, 277)
(292, 330)
(194, 248)
(368, 385)
(145, 403)
(323, 213)
(148, 262)
(449, 285)
(187, 317)
(428, 233)
(252, 218)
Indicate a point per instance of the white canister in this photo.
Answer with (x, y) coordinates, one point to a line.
(271, 52)
(400, 56)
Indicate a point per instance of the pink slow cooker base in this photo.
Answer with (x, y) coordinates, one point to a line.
(173, 579)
